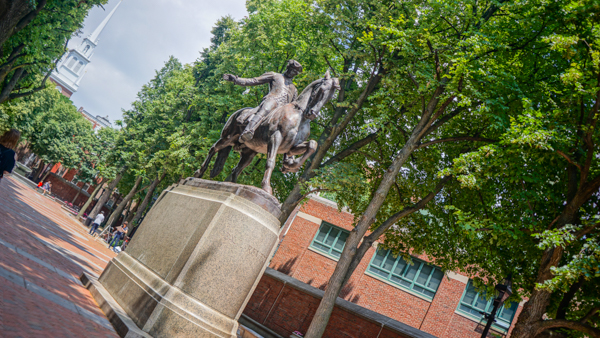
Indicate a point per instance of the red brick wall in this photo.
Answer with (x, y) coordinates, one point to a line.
(285, 309)
(66, 192)
(296, 259)
(442, 308)
(64, 90)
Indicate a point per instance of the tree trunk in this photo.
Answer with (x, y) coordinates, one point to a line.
(531, 320)
(11, 84)
(48, 170)
(77, 195)
(106, 195)
(337, 280)
(114, 217)
(16, 15)
(131, 214)
(528, 324)
(147, 199)
(39, 171)
(90, 199)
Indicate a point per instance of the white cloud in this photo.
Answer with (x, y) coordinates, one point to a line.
(138, 40)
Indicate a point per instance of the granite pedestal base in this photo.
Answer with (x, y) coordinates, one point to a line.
(196, 259)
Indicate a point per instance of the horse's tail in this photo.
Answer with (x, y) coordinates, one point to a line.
(220, 161)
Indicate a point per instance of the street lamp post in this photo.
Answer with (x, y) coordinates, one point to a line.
(504, 291)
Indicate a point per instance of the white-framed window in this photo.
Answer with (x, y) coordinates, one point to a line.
(72, 62)
(86, 49)
(330, 240)
(420, 277)
(78, 67)
(475, 303)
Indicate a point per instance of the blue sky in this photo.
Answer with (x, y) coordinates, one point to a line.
(138, 40)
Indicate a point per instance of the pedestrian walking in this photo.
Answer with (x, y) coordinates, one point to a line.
(99, 219)
(121, 231)
(8, 157)
(47, 188)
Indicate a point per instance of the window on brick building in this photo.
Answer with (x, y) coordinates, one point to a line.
(475, 304)
(420, 277)
(330, 240)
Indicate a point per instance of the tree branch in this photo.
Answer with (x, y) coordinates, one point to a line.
(5, 93)
(29, 17)
(457, 138)
(569, 159)
(14, 55)
(590, 314)
(35, 90)
(408, 210)
(381, 229)
(587, 230)
(354, 147)
(568, 324)
(561, 312)
(443, 120)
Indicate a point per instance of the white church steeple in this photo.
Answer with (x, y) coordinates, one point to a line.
(72, 66)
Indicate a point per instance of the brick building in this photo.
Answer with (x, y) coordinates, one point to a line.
(441, 303)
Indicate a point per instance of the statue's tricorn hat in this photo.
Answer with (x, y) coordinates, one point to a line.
(294, 65)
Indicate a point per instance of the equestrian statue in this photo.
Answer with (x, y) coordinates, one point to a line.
(279, 125)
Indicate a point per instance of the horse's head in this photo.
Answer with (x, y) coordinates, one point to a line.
(322, 91)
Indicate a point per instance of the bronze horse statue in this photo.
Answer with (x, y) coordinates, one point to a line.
(283, 131)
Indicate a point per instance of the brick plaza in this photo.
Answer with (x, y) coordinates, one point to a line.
(43, 251)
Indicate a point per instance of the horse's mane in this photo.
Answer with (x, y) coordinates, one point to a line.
(302, 100)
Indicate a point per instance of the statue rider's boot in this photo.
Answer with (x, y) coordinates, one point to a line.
(248, 133)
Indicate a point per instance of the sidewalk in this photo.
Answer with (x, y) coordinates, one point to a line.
(43, 251)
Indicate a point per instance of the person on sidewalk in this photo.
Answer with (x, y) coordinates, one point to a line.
(8, 143)
(99, 219)
(47, 187)
(121, 231)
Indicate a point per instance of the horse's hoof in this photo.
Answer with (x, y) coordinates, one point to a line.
(197, 174)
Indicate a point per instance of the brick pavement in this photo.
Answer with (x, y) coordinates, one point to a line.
(43, 251)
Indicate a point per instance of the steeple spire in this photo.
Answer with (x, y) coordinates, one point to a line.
(72, 67)
(96, 33)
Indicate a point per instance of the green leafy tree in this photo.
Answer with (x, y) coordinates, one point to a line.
(33, 35)
(55, 130)
(529, 204)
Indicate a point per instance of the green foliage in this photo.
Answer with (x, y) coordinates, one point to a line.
(31, 53)
(52, 126)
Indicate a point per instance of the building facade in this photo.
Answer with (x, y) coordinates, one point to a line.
(98, 122)
(441, 303)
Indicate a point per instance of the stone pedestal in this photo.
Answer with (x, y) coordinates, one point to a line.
(196, 259)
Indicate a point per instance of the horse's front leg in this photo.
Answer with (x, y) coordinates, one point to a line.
(220, 144)
(307, 149)
(272, 148)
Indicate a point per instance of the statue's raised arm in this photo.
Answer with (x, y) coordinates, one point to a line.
(253, 81)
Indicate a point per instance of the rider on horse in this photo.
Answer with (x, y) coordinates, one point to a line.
(281, 91)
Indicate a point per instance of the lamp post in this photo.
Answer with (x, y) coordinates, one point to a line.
(504, 291)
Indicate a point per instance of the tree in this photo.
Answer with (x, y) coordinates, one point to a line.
(437, 48)
(528, 203)
(104, 146)
(540, 188)
(55, 130)
(33, 35)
